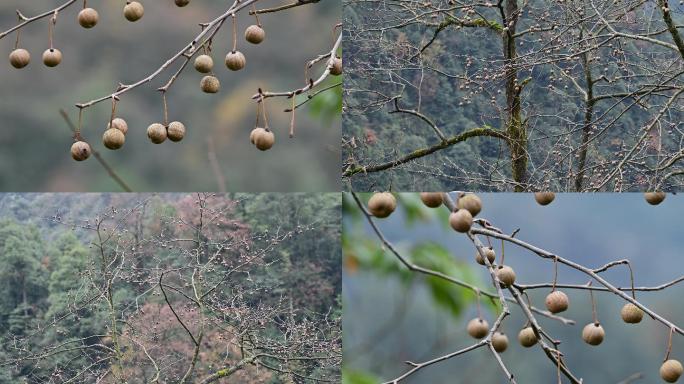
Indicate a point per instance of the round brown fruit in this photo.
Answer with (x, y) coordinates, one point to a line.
(204, 63)
(431, 199)
(157, 133)
(671, 370)
(113, 138)
(20, 58)
(133, 11)
(506, 275)
(557, 302)
(654, 198)
(499, 342)
(382, 204)
(255, 132)
(336, 67)
(461, 220)
(478, 328)
(52, 57)
(210, 84)
(593, 334)
(176, 131)
(488, 252)
(526, 337)
(631, 314)
(470, 202)
(80, 150)
(255, 34)
(264, 139)
(88, 18)
(119, 124)
(235, 61)
(544, 198)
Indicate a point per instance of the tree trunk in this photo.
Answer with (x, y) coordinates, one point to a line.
(24, 295)
(515, 127)
(586, 129)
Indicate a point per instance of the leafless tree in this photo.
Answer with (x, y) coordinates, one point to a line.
(515, 293)
(563, 95)
(199, 313)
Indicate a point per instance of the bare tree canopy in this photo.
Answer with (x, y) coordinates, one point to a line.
(514, 95)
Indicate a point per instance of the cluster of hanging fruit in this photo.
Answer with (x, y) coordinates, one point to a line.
(261, 137)
(468, 205)
(235, 60)
(114, 137)
(87, 18)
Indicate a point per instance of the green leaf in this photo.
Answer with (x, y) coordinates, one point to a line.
(356, 377)
(447, 295)
(349, 207)
(414, 210)
(326, 105)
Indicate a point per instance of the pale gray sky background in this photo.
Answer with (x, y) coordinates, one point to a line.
(589, 229)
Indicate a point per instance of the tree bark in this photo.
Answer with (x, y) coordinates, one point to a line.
(228, 371)
(515, 127)
(586, 129)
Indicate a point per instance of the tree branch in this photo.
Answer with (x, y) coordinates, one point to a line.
(417, 154)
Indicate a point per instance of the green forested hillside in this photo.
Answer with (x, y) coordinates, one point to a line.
(438, 96)
(169, 288)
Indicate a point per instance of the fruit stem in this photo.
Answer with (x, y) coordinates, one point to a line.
(16, 43)
(263, 110)
(234, 33)
(77, 134)
(292, 121)
(594, 316)
(111, 118)
(669, 345)
(51, 26)
(256, 14)
(258, 114)
(166, 109)
(631, 279)
(555, 273)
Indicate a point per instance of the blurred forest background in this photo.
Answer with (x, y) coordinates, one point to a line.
(47, 252)
(35, 141)
(401, 316)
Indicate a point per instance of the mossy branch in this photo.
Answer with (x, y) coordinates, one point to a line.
(481, 22)
(475, 132)
(229, 371)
